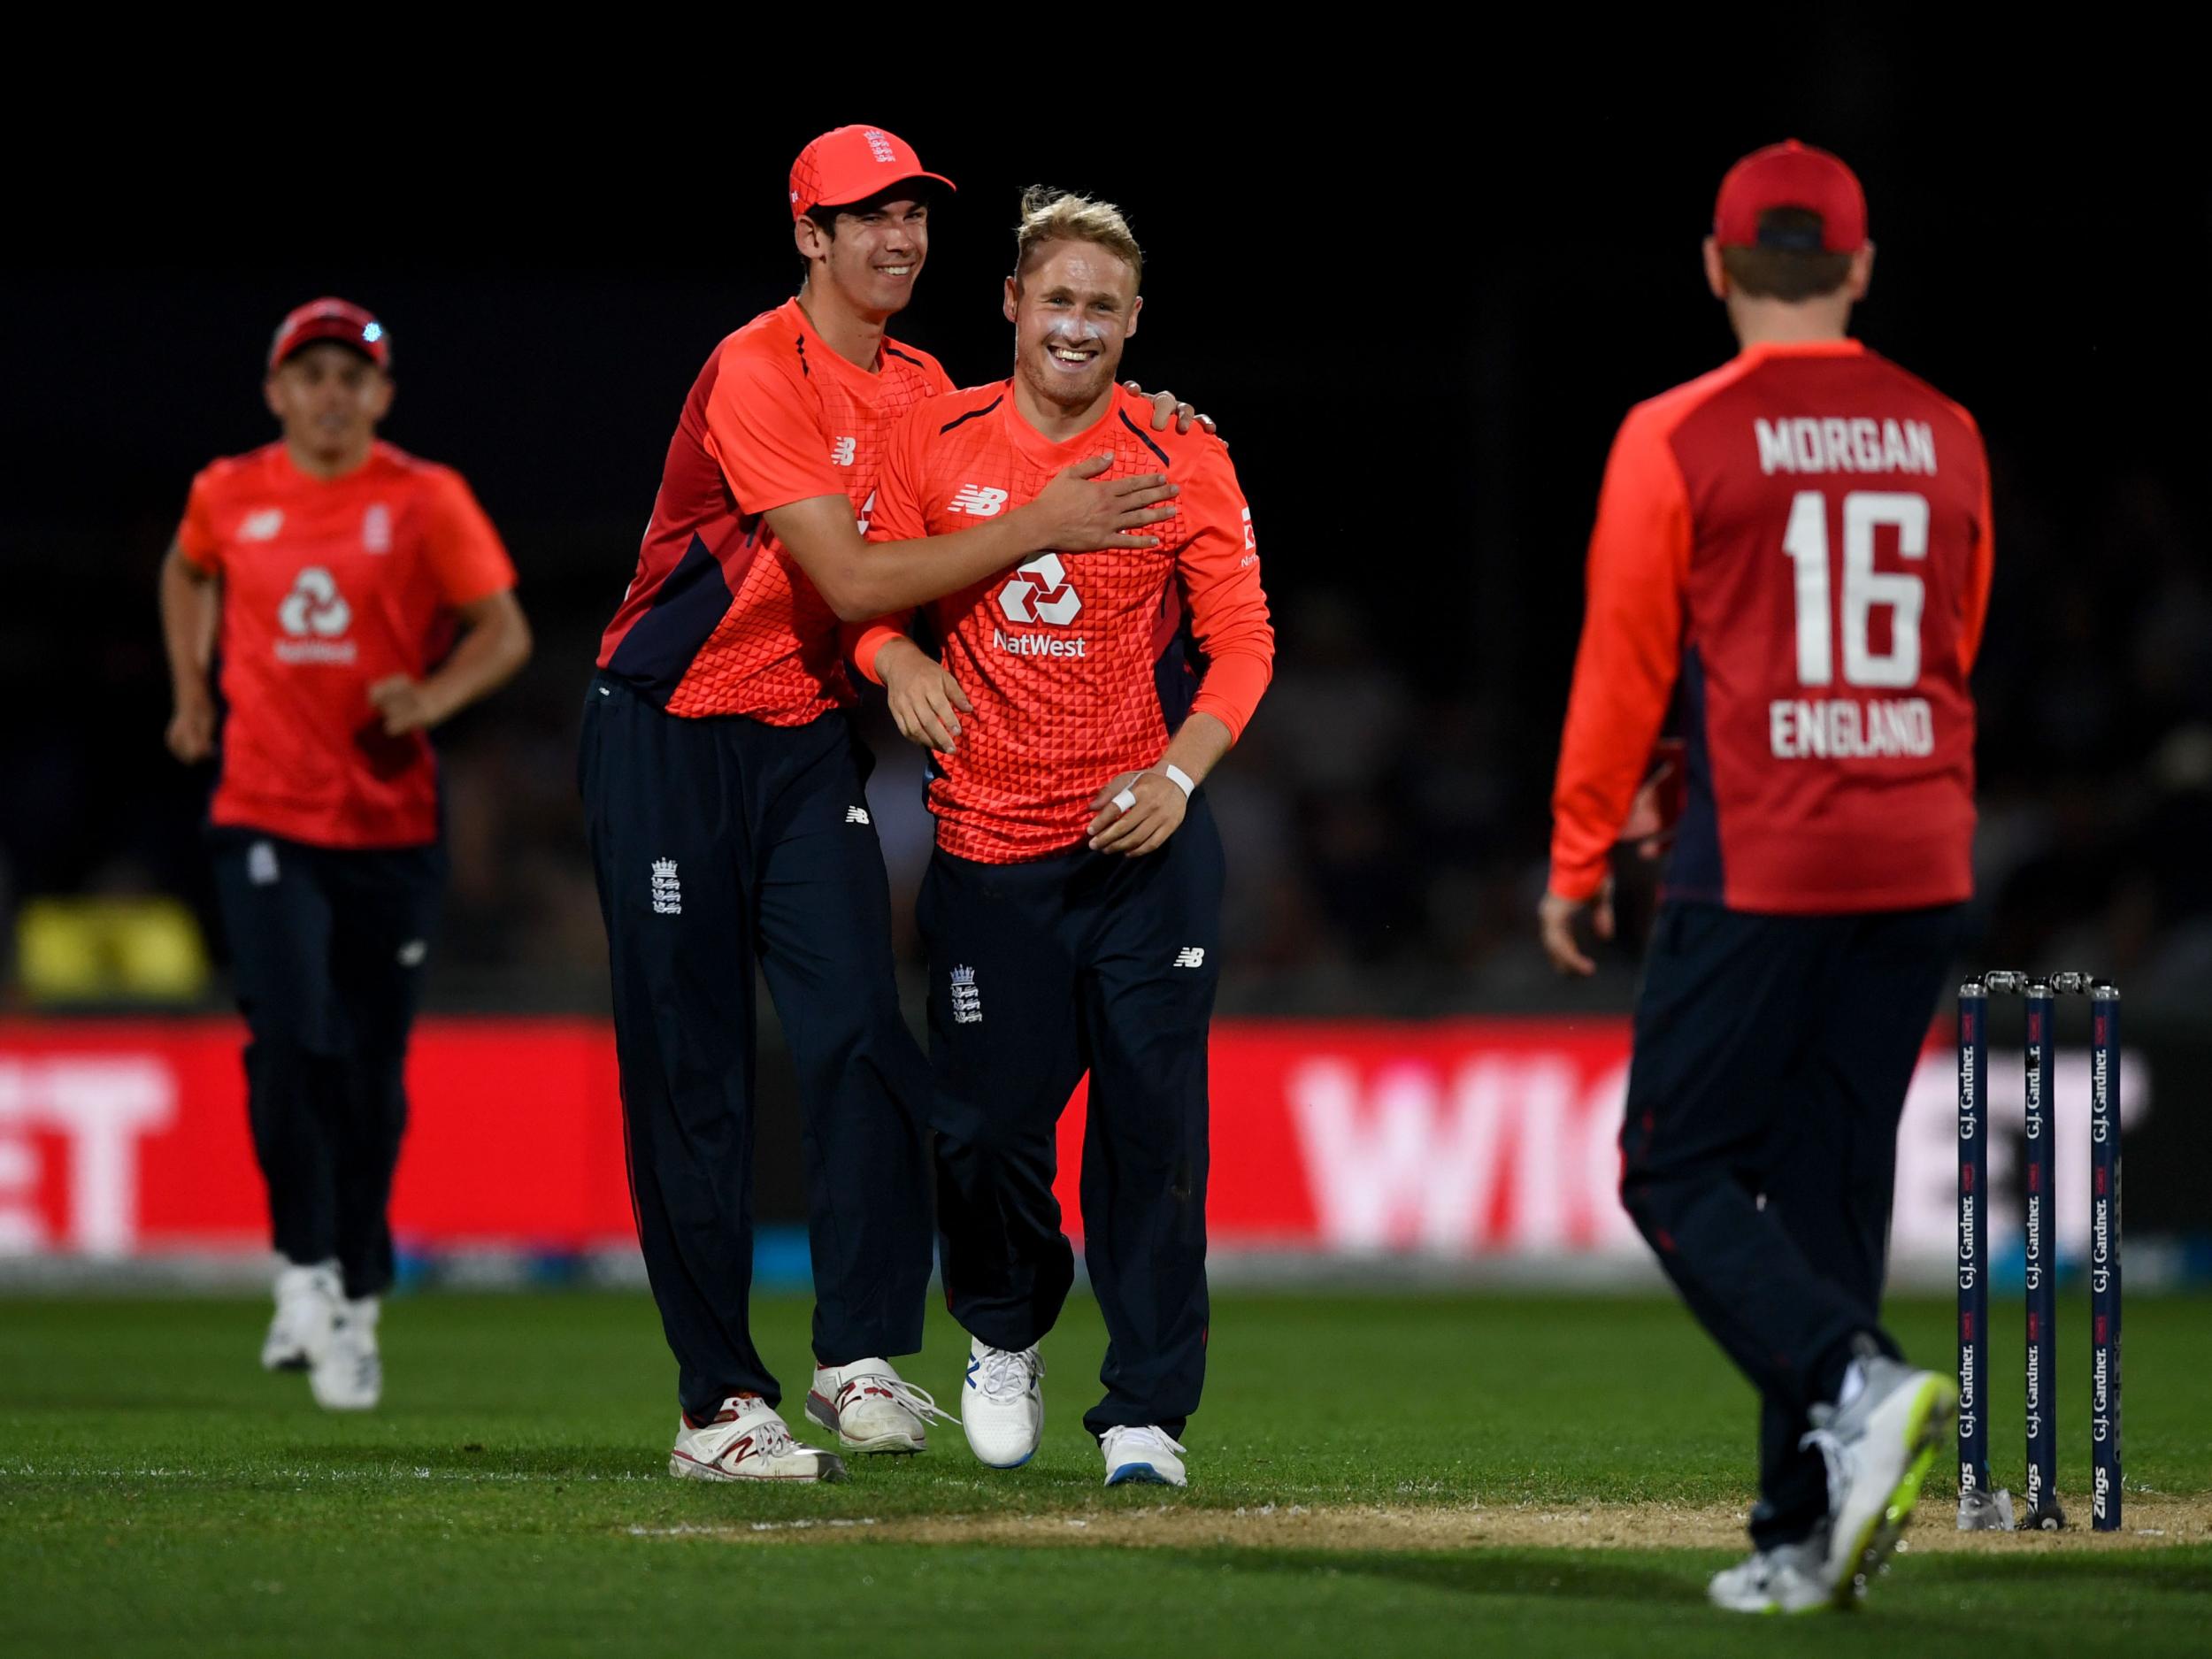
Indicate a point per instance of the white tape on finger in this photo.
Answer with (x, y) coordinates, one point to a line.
(1126, 799)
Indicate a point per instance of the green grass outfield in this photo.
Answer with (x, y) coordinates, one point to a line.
(159, 1495)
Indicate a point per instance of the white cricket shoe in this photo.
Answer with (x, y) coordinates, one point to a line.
(349, 1374)
(1143, 1457)
(872, 1407)
(1003, 1403)
(748, 1441)
(1787, 1578)
(1878, 1449)
(307, 1303)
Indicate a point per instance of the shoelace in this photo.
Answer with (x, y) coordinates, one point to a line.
(771, 1438)
(920, 1402)
(1142, 1439)
(1007, 1373)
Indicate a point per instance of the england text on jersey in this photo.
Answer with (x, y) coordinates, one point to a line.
(1796, 547)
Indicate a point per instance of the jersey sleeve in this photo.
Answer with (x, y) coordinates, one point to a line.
(897, 516)
(465, 553)
(1630, 653)
(195, 535)
(1219, 569)
(764, 436)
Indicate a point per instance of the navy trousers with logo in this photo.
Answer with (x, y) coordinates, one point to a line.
(1759, 1155)
(327, 946)
(1039, 972)
(722, 845)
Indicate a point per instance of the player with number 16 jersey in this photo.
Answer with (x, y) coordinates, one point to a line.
(1795, 549)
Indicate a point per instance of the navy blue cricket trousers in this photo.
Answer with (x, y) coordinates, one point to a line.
(1039, 972)
(1759, 1154)
(722, 845)
(327, 946)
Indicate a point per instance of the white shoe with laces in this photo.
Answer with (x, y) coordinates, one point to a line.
(349, 1374)
(748, 1441)
(307, 1303)
(1786, 1578)
(1003, 1403)
(1146, 1456)
(872, 1407)
(1878, 1449)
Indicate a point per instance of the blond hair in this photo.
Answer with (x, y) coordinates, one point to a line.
(1050, 216)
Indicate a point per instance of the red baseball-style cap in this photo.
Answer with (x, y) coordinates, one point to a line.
(1791, 175)
(851, 164)
(330, 319)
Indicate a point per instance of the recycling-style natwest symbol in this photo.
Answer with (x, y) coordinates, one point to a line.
(1040, 591)
(314, 606)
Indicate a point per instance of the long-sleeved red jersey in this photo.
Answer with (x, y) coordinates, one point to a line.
(1798, 546)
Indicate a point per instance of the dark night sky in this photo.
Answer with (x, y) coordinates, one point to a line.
(1417, 329)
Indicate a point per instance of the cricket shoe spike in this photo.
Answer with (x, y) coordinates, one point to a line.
(1878, 1449)
(748, 1441)
(1786, 1578)
(873, 1408)
(307, 1303)
(349, 1374)
(1003, 1403)
(1146, 1456)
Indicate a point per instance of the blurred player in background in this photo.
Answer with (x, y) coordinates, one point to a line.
(1072, 906)
(723, 788)
(330, 574)
(1795, 548)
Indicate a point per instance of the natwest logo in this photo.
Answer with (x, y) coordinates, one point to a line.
(315, 614)
(1040, 591)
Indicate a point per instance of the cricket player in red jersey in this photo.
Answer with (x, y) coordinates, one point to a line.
(339, 570)
(1072, 906)
(1795, 549)
(722, 781)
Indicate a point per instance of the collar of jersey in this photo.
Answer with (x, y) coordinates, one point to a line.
(291, 472)
(820, 352)
(1032, 442)
(1803, 349)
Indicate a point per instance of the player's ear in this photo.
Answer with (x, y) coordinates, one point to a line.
(1013, 297)
(808, 237)
(1136, 308)
(1715, 272)
(271, 396)
(1862, 273)
(380, 398)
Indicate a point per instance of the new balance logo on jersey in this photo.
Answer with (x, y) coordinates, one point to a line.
(1040, 591)
(261, 526)
(978, 501)
(1191, 957)
(668, 893)
(967, 1001)
(376, 529)
(856, 815)
(844, 450)
(316, 615)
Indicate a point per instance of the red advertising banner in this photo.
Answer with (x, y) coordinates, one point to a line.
(1456, 1141)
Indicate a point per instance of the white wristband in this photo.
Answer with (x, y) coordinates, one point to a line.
(1179, 779)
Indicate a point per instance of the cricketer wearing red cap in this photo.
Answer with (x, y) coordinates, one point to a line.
(723, 784)
(1794, 551)
(329, 574)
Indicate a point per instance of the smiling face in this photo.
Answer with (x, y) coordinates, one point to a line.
(330, 398)
(1072, 310)
(871, 255)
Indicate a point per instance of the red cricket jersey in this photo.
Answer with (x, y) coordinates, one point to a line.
(1075, 661)
(329, 586)
(1803, 538)
(719, 618)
